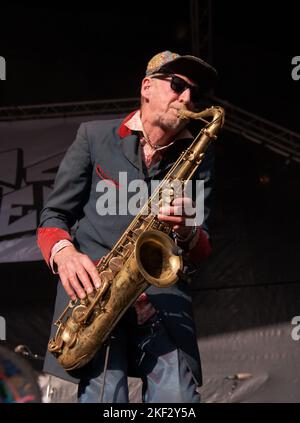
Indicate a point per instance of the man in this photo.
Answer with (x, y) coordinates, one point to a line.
(156, 337)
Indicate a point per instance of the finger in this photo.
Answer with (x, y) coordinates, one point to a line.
(183, 210)
(178, 210)
(187, 205)
(92, 271)
(182, 200)
(84, 278)
(167, 210)
(67, 287)
(76, 285)
(171, 219)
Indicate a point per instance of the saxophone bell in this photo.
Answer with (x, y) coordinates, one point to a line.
(156, 260)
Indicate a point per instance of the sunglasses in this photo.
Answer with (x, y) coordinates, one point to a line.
(179, 85)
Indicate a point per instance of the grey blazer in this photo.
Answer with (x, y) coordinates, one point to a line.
(103, 149)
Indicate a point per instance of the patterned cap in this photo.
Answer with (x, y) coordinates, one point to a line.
(193, 67)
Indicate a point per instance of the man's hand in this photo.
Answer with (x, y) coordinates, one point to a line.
(176, 215)
(77, 272)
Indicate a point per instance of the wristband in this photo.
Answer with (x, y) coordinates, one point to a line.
(188, 239)
(55, 249)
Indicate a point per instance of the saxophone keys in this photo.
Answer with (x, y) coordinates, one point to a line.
(90, 297)
(55, 346)
(168, 191)
(138, 231)
(128, 248)
(167, 198)
(69, 334)
(106, 276)
(115, 264)
(69, 338)
(84, 301)
(79, 313)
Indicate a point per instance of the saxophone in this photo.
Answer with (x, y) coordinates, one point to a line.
(145, 254)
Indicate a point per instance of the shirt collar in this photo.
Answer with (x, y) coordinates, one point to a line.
(135, 124)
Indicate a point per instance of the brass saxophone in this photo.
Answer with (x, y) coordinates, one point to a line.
(144, 255)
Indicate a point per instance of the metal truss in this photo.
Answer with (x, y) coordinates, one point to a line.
(260, 131)
(249, 126)
(55, 110)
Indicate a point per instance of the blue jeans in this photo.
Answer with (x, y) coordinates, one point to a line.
(161, 366)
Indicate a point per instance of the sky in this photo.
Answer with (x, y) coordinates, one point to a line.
(92, 52)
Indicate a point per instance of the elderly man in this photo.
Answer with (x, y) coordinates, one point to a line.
(155, 339)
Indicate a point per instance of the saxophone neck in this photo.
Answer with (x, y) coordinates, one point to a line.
(216, 113)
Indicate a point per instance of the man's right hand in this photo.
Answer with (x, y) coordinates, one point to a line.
(77, 272)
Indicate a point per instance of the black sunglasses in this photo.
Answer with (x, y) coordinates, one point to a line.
(179, 85)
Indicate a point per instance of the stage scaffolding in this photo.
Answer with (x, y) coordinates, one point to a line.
(248, 125)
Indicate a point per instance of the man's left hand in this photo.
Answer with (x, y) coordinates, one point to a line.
(176, 215)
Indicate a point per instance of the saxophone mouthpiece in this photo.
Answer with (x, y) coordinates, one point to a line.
(182, 114)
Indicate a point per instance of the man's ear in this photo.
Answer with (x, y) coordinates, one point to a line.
(145, 87)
